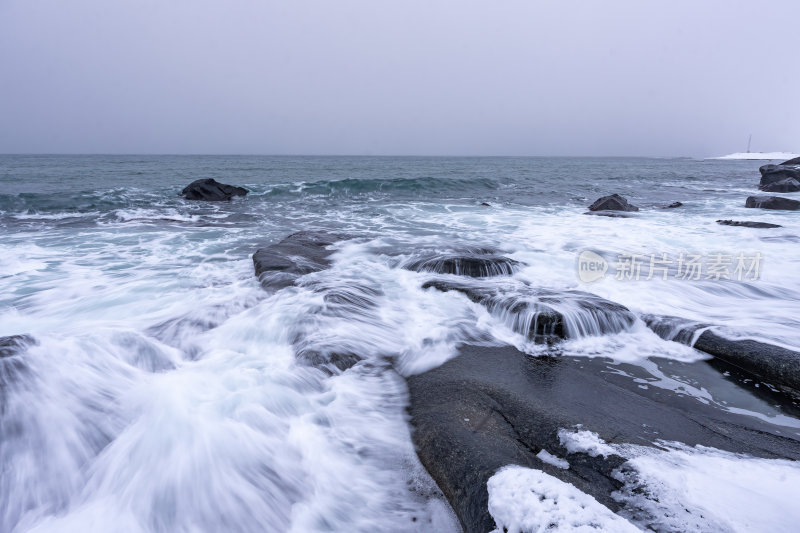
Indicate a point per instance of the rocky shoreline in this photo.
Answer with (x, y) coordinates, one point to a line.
(493, 406)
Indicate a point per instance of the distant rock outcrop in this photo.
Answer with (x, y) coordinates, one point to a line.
(612, 202)
(210, 190)
(772, 202)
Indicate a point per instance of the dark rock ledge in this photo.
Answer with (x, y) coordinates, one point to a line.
(748, 224)
(775, 365)
(492, 407)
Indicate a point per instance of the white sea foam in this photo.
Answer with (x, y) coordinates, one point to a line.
(678, 488)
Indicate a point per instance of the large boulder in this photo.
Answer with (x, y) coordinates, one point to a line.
(748, 224)
(787, 185)
(491, 407)
(210, 190)
(774, 173)
(279, 265)
(612, 202)
(772, 202)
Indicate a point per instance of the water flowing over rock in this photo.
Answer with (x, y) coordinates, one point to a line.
(210, 190)
(772, 202)
(612, 202)
(480, 264)
(279, 265)
(543, 315)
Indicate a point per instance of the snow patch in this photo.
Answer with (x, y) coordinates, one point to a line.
(549, 458)
(526, 500)
(759, 155)
(583, 441)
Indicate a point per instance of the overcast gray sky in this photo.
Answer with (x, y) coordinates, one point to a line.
(503, 77)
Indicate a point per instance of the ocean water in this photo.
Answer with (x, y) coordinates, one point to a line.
(163, 392)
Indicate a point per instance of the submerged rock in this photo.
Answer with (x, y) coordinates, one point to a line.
(471, 264)
(15, 344)
(775, 173)
(772, 202)
(279, 265)
(210, 190)
(612, 202)
(673, 205)
(748, 224)
(787, 185)
(546, 316)
(492, 407)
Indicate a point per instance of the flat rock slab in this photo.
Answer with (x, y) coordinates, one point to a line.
(748, 224)
(491, 407)
(210, 190)
(772, 202)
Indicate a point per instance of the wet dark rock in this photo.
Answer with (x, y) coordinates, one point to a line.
(279, 265)
(479, 264)
(748, 224)
(795, 161)
(486, 204)
(492, 407)
(613, 202)
(774, 173)
(545, 316)
(673, 205)
(772, 202)
(772, 364)
(787, 185)
(210, 190)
